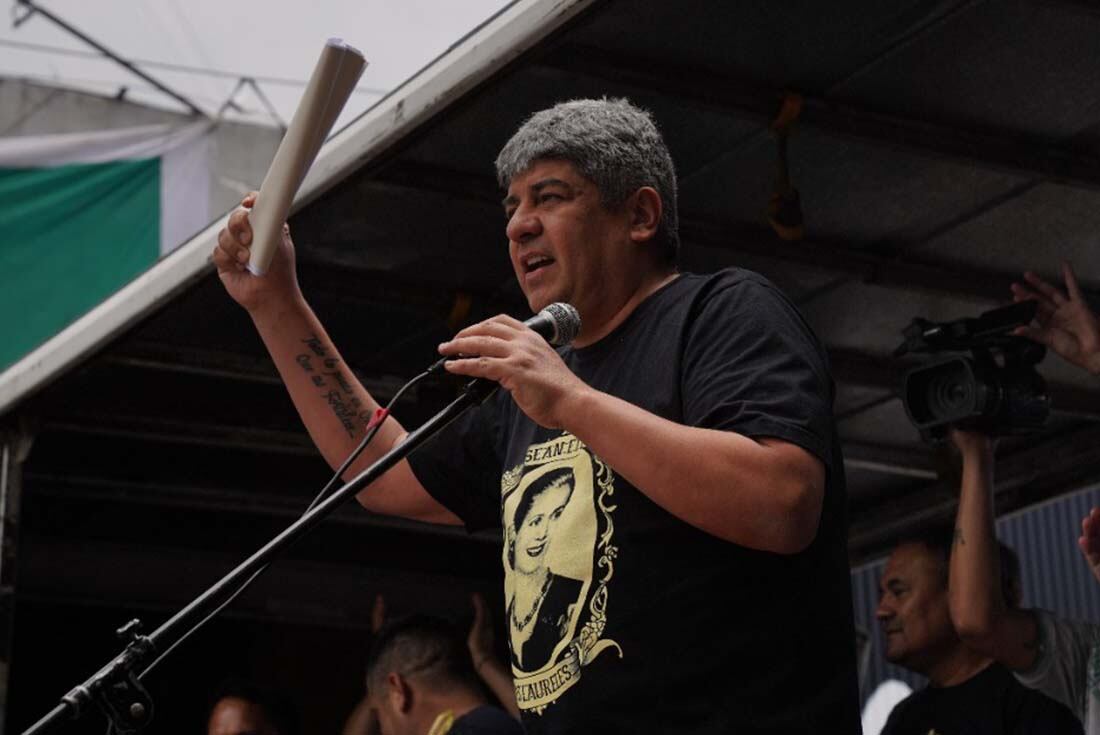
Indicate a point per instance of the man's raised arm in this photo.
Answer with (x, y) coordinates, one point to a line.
(983, 618)
(331, 401)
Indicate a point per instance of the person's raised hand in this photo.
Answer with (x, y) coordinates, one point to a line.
(1064, 322)
(1090, 541)
(278, 285)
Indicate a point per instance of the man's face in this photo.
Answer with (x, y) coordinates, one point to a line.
(564, 244)
(913, 608)
(235, 716)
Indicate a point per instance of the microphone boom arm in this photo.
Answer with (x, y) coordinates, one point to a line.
(116, 687)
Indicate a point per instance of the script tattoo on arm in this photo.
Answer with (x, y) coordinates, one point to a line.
(307, 366)
(345, 405)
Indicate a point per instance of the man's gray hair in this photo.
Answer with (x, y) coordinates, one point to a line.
(612, 143)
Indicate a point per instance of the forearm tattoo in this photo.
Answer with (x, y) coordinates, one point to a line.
(335, 387)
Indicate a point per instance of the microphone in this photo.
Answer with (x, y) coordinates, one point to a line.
(559, 323)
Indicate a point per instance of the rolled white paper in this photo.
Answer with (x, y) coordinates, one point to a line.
(334, 77)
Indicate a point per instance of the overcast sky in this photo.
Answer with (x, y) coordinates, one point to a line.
(276, 38)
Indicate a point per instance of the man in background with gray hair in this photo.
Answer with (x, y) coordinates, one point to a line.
(704, 534)
(967, 691)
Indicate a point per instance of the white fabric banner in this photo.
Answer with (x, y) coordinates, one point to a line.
(100, 146)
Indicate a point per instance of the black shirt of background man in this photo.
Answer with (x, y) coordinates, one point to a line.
(486, 720)
(989, 703)
(715, 637)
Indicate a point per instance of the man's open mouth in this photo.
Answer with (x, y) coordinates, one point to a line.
(535, 262)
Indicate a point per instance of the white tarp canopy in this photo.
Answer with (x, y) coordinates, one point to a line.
(506, 36)
(202, 49)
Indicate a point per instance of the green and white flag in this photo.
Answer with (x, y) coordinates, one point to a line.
(82, 214)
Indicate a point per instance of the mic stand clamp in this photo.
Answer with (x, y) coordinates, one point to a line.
(116, 689)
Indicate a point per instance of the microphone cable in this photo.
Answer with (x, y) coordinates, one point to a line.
(558, 323)
(380, 416)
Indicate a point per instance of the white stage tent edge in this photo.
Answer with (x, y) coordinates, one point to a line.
(509, 33)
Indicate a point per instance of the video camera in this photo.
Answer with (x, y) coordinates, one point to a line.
(996, 390)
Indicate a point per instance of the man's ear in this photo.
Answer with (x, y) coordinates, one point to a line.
(399, 692)
(645, 209)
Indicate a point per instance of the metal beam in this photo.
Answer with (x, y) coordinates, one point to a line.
(895, 461)
(1023, 155)
(104, 574)
(145, 355)
(33, 8)
(15, 444)
(186, 433)
(224, 500)
(866, 264)
(374, 287)
(943, 228)
(405, 174)
(1084, 7)
(1046, 470)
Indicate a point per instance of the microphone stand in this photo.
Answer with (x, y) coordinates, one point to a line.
(117, 689)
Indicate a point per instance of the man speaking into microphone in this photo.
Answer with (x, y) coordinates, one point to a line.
(669, 485)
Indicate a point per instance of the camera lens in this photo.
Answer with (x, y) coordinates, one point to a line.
(942, 393)
(950, 394)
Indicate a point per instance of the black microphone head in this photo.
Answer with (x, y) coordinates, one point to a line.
(566, 321)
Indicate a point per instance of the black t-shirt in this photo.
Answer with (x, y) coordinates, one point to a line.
(989, 703)
(644, 623)
(486, 720)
